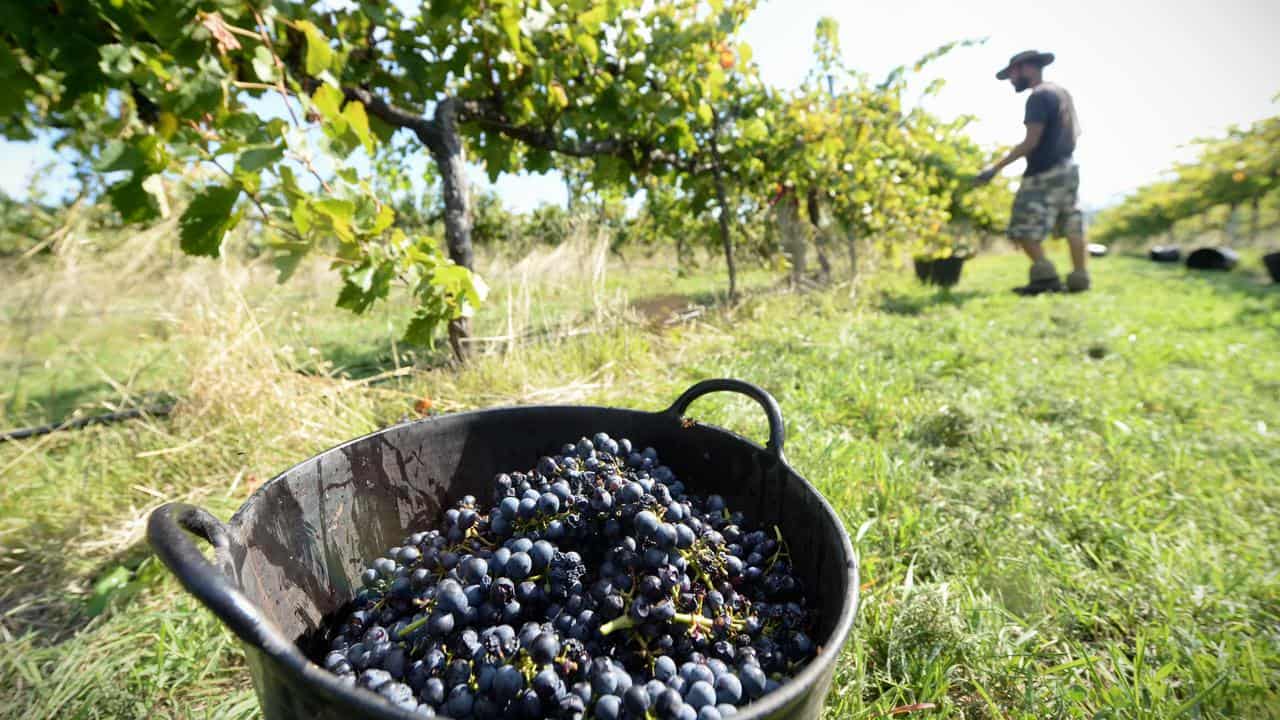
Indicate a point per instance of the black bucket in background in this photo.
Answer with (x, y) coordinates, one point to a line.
(1165, 253)
(292, 555)
(1213, 258)
(1272, 261)
(941, 272)
(946, 272)
(924, 268)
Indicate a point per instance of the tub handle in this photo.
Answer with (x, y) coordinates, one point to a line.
(777, 431)
(167, 530)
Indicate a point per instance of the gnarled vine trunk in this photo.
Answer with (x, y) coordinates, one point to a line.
(819, 238)
(794, 240)
(725, 238)
(450, 157)
(722, 198)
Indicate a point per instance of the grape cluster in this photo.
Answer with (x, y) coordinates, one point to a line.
(595, 586)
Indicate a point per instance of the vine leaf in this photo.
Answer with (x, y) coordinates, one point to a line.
(207, 219)
(319, 54)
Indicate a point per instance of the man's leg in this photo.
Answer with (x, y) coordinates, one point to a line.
(1079, 256)
(1028, 225)
(1034, 250)
(1078, 280)
(1072, 221)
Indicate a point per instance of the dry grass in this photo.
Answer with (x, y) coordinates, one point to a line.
(552, 293)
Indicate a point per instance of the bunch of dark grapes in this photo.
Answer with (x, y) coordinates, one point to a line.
(594, 586)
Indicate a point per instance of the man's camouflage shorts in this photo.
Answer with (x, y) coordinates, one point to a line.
(1047, 204)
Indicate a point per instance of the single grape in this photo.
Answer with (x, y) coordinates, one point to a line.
(608, 707)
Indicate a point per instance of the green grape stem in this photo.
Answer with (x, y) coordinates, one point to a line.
(626, 622)
(408, 629)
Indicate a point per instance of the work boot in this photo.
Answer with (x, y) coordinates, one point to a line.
(1044, 278)
(1078, 281)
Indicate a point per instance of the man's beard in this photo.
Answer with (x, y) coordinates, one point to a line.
(1021, 84)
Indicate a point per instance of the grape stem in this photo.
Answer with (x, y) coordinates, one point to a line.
(408, 629)
(626, 622)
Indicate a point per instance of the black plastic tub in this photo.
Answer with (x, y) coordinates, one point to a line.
(942, 272)
(293, 553)
(923, 268)
(1272, 261)
(1165, 253)
(1213, 258)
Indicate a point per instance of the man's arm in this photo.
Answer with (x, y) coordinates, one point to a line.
(1034, 132)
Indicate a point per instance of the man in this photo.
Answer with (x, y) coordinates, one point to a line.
(1046, 202)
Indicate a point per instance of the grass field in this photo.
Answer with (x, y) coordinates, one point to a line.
(1066, 506)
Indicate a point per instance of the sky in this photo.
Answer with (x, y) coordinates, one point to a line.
(1147, 77)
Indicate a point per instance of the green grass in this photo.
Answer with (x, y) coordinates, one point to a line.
(1065, 506)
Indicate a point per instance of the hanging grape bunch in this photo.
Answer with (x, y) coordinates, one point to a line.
(594, 587)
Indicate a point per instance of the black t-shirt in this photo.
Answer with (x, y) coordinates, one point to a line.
(1051, 106)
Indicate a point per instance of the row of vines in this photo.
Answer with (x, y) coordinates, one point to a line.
(300, 119)
(1231, 175)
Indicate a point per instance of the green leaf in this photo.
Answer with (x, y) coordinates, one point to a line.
(336, 208)
(287, 258)
(118, 155)
(509, 19)
(339, 213)
(476, 289)
(704, 113)
(451, 277)
(16, 81)
(289, 183)
(591, 20)
(9, 66)
(381, 130)
(132, 201)
(386, 216)
(257, 157)
(207, 219)
(358, 122)
(115, 60)
(497, 157)
(462, 284)
(264, 66)
(328, 101)
(588, 45)
(557, 97)
(365, 285)
(754, 130)
(200, 91)
(319, 54)
(538, 160)
(155, 156)
(422, 327)
(302, 216)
